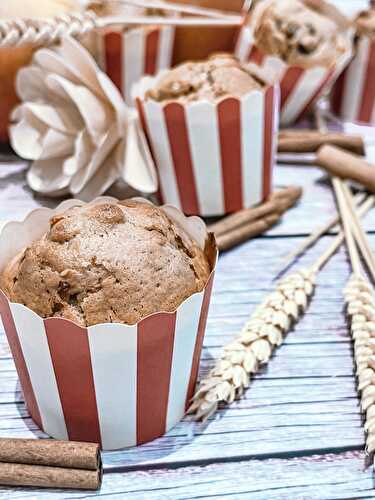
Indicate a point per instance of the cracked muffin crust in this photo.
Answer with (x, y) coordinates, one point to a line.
(221, 75)
(107, 263)
(304, 33)
(365, 22)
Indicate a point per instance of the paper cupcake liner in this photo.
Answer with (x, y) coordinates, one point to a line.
(114, 384)
(353, 96)
(129, 55)
(212, 158)
(299, 88)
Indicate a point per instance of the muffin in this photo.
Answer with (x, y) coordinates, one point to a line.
(221, 103)
(353, 97)
(220, 76)
(302, 44)
(107, 263)
(365, 22)
(302, 33)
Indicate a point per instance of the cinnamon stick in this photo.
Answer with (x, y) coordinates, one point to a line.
(68, 454)
(340, 163)
(250, 230)
(309, 141)
(278, 203)
(12, 474)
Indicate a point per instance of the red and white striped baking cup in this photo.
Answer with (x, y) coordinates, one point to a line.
(129, 55)
(114, 384)
(353, 96)
(299, 88)
(213, 158)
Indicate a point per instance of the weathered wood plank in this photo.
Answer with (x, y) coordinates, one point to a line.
(318, 204)
(303, 403)
(326, 477)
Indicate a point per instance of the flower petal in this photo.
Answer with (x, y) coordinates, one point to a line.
(107, 174)
(26, 140)
(57, 118)
(138, 168)
(46, 176)
(30, 84)
(72, 61)
(95, 113)
(104, 148)
(56, 145)
(83, 152)
(123, 112)
(76, 63)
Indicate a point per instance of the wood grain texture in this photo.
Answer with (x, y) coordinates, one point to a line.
(16, 199)
(329, 477)
(296, 433)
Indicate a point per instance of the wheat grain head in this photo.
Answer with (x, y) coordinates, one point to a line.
(360, 301)
(255, 344)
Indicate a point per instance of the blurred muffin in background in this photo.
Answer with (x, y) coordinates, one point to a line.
(353, 97)
(302, 33)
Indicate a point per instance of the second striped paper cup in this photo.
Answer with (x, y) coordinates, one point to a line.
(128, 55)
(299, 87)
(353, 96)
(212, 158)
(114, 384)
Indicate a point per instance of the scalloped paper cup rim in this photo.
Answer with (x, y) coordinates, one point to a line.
(148, 82)
(36, 223)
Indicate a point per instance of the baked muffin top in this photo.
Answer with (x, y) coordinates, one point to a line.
(365, 21)
(304, 33)
(221, 75)
(107, 263)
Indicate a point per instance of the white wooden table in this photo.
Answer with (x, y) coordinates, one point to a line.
(297, 433)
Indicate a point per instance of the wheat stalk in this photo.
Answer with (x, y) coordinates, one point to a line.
(261, 335)
(317, 234)
(18, 32)
(360, 300)
(43, 32)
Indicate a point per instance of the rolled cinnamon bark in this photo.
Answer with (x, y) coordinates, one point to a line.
(240, 234)
(49, 477)
(309, 141)
(346, 166)
(68, 454)
(279, 202)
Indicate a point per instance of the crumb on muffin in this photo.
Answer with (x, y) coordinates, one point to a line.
(365, 22)
(219, 76)
(107, 263)
(301, 32)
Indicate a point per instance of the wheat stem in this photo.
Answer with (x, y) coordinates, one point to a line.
(259, 337)
(360, 301)
(43, 32)
(346, 219)
(359, 296)
(320, 231)
(264, 331)
(358, 231)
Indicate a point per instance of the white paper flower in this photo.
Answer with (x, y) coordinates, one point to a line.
(76, 127)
